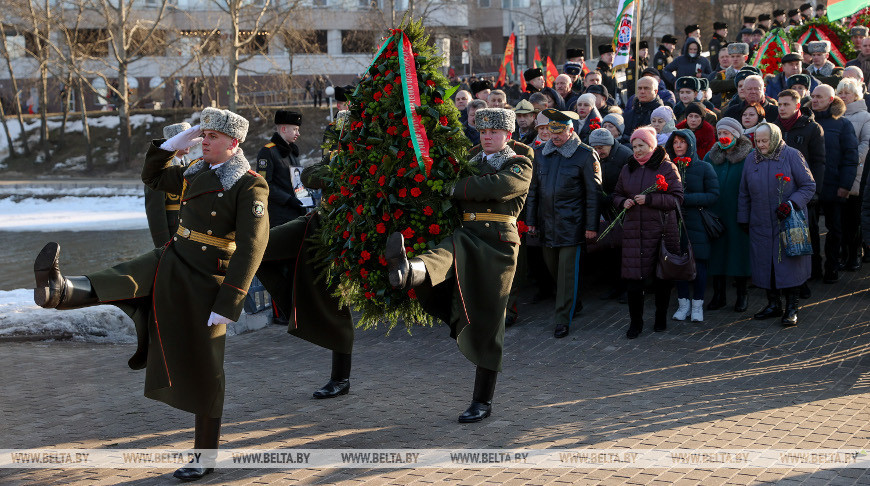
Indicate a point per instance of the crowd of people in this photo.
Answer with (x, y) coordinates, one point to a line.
(736, 153)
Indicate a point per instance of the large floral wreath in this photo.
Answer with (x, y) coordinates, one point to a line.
(833, 31)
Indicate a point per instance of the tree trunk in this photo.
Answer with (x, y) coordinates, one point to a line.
(234, 66)
(9, 140)
(124, 131)
(85, 129)
(65, 99)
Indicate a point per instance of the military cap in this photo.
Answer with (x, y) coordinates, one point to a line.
(598, 89)
(224, 121)
(494, 119)
(341, 92)
(859, 30)
(792, 12)
(532, 73)
(669, 39)
(746, 31)
(573, 52)
(743, 74)
(748, 20)
(821, 6)
(604, 49)
(791, 57)
(650, 71)
(478, 86)
(705, 84)
(559, 120)
(801, 79)
(758, 31)
(287, 117)
(524, 107)
(644, 45)
(719, 25)
(805, 48)
(751, 70)
(691, 28)
(778, 12)
(763, 17)
(805, 6)
(170, 131)
(818, 46)
(738, 48)
(688, 82)
(572, 68)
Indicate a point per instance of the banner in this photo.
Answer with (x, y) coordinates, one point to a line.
(538, 62)
(551, 73)
(508, 59)
(837, 9)
(622, 33)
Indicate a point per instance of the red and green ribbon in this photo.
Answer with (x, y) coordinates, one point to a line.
(835, 53)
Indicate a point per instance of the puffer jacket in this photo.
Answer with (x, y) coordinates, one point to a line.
(685, 65)
(563, 195)
(644, 224)
(841, 149)
(856, 112)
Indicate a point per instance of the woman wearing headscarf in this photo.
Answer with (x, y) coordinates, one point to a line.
(700, 190)
(705, 133)
(776, 181)
(729, 254)
(647, 218)
(750, 117)
(852, 94)
(663, 120)
(590, 117)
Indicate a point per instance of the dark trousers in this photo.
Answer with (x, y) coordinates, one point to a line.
(538, 270)
(662, 291)
(851, 224)
(699, 285)
(564, 263)
(833, 222)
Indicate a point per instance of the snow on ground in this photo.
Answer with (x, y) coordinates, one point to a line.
(73, 213)
(19, 316)
(55, 190)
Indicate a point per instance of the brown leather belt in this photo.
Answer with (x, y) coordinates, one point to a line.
(499, 218)
(222, 243)
(173, 207)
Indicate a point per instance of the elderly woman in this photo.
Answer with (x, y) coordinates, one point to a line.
(700, 190)
(852, 94)
(664, 122)
(615, 124)
(541, 125)
(729, 254)
(750, 117)
(776, 181)
(648, 217)
(590, 117)
(705, 133)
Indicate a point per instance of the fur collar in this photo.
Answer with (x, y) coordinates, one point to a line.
(735, 155)
(229, 173)
(566, 150)
(496, 161)
(654, 162)
(826, 70)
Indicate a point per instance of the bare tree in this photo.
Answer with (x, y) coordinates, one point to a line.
(16, 92)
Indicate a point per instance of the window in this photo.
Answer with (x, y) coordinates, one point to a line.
(90, 42)
(150, 46)
(16, 46)
(484, 3)
(357, 41)
(485, 48)
(258, 45)
(201, 42)
(305, 41)
(514, 3)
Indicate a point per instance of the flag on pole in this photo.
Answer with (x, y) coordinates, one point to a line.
(622, 33)
(837, 9)
(551, 72)
(508, 59)
(538, 62)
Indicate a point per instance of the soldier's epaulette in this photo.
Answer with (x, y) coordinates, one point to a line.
(253, 173)
(269, 145)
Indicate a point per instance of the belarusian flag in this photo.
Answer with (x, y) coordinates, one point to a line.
(837, 9)
(538, 62)
(551, 72)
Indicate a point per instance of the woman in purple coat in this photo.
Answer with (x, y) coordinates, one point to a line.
(648, 217)
(772, 167)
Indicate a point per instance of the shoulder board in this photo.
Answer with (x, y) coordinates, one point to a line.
(196, 160)
(269, 145)
(253, 173)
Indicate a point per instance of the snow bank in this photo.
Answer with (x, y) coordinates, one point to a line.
(55, 190)
(73, 213)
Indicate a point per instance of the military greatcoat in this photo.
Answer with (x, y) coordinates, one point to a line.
(161, 209)
(206, 267)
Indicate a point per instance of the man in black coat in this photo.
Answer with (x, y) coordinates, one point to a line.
(717, 43)
(664, 55)
(753, 92)
(278, 162)
(605, 67)
(645, 101)
(534, 81)
(641, 57)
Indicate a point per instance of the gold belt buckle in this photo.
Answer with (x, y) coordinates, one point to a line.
(185, 232)
(472, 216)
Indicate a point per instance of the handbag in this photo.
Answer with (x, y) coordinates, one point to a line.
(794, 234)
(712, 223)
(673, 266)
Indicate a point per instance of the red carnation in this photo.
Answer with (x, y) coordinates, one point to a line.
(522, 228)
(381, 228)
(379, 195)
(421, 240)
(350, 148)
(661, 183)
(363, 273)
(370, 295)
(410, 144)
(332, 198)
(419, 178)
(406, 133)
(360, 209)
(428, 211)
(365, 255)
(786, 178)
(434, 229)
(780, 175)
(416, 192)
(438, 101)
(373, 169)
(412, 294)
(444, 121)
(388, 88)
(382, 180)
(382, 260)
(401, 171)
(363, 236)
(400, 154)
(430, 83)
(725, 141)
(397, 214)
(345, 235)
(392, 130)
(403, 192)
(377, 96)
(408, 233)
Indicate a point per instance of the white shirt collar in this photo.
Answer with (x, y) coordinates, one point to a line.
(213, 167)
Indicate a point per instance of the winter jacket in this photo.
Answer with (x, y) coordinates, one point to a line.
(774, 85)
(856, 112)
(639, 114)
(705, 137)
(841, 149)
(729, 254)
(560, 102)
(644, 224)
(685, 65)
(771, 112)
(700, 190)
(661, 59)
(756, 206)
(611, 167)
(607, 79)
(276, 162)
(564, 193)
(584, 130)
(807, 137)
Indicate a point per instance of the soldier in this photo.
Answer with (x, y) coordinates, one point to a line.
(764, 22)
(806, 12)
(534, 81)
(664, 55)
(480, 257)
(182, 296)
(525, 114)
(779, 19)
(578, 56)
(161, 208)
(821, 67)
(717, 43)
(822, 11)
(480, 89)
(722, 83)
(748, 23)
(642, 57)
(605, 67)
(693, 30)
(857, 34)
(794, 18)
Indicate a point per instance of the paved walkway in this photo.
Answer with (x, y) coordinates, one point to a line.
(730, 382)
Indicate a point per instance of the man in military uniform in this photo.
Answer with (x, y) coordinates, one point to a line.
(748, 23)
(779, 19)
(794, 18)
(722, 83)
(161, 208)
(764, 22)
(525, 115)
(642, 57)
(693, 30)
(605, 67)
(480, 89)
(806, 12)
(182, 296)
(857, 34)
(717, 43)
(465, 280)
(664, 55)
(577, 55)
(822, 11)
(534, 81)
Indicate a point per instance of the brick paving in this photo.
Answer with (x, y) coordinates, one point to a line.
(730, 382)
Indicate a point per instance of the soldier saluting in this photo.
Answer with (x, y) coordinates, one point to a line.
(161, 208)
(182, 296)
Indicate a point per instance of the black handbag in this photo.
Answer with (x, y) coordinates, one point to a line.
(673, 266)
(712, 223)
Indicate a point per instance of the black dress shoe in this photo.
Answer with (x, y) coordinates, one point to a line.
(741, 304)
(476, 412)
(831, 277)
(510, 321)
(853, 265)
(660, 327)
(192, 472)
(804, 291)
(280, 321)
(333, 389)
(560, 332)
(772, 310)
(632, 333)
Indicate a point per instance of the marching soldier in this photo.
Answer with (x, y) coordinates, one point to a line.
(161, 208)
(465, 280)
(182, 296)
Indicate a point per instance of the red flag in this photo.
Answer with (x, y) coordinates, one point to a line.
(523, 83)
(551, 73)
(508, 59)
(538, 62)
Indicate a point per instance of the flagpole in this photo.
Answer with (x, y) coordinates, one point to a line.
(636, 27)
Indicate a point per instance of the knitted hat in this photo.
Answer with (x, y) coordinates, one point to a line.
(738, 48)
(600, 136)
(731, 125)
(696, 108)
(617, 121)
(224, 121)
(818, 46)
(287, 117)
(647, 135)
(664, 112)
(587, 98)
(170, 131)
(494, 119)
(859, 30)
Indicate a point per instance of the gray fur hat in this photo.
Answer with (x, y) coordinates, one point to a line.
(170, 131)
(818, 46)
(224, 121)
(617, 120)
(859, 30)
(495, 119)
(600, 136)
(738, 48)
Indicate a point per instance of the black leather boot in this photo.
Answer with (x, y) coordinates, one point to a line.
(742, 302)
(403, 273)
(635, 313)
(718, 300)
(339, 381)
(205, 441)
(789, 318)
(53, 290)
(774, 306)
(481, 401)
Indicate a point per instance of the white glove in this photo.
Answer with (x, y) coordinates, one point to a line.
(217, 320)
(183, 140)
